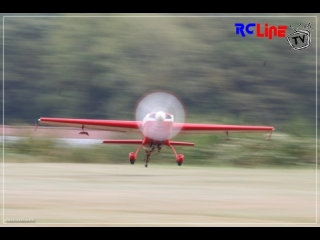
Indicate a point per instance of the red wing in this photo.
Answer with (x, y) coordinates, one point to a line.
(107, 125)
(210, 128)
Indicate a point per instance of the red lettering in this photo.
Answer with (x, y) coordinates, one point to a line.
(274, 29)
(282, 31)
(266, 30)
(259, 34)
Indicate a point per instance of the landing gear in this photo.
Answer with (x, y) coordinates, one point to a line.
(148, 151)
(132, 157)
(180, 159)
(150, 147)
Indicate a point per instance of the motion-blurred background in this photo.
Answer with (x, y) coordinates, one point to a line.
(98, 67)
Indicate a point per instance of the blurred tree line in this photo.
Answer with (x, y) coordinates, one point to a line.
(63, 65)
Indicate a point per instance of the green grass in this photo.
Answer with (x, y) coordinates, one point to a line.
(243, 150)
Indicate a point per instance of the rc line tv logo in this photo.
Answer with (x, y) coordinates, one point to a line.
(299, 39)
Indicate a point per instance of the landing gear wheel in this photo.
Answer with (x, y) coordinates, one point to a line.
(132, 157)
(180, 159)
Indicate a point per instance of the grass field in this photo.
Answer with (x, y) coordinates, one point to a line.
(247, 181)
(160, 195)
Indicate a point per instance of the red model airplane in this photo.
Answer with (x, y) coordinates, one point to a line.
(157, 127)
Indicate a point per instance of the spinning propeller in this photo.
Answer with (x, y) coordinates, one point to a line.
(161, 103)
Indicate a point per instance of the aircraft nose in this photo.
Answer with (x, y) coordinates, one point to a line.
(160, 116)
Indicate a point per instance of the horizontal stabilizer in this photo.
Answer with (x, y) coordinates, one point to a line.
(123, 141)
(174, 143)
(139, 142)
